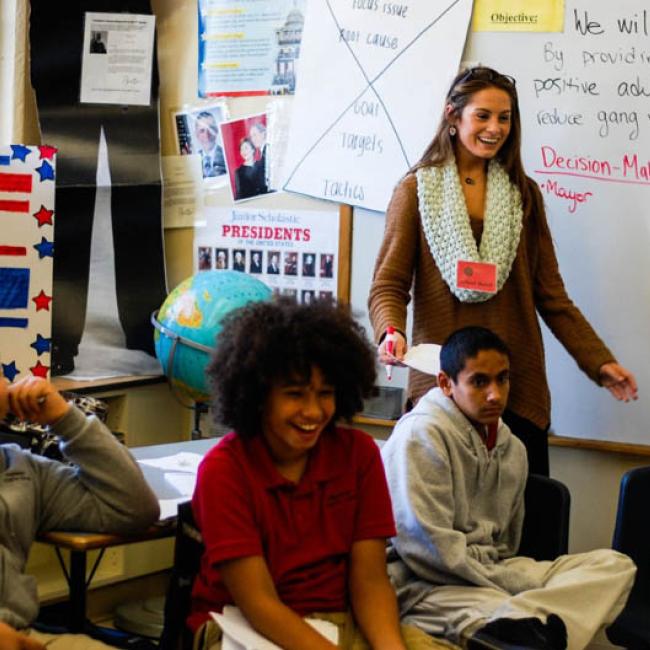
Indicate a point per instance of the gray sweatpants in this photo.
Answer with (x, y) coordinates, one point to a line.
(587, 591)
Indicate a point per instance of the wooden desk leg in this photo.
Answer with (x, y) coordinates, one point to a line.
(77, 587)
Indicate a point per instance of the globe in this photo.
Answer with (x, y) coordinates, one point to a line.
(190, 319)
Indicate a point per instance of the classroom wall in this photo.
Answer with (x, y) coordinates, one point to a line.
(593, 478)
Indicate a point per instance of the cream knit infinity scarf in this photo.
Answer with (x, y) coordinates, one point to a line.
(447, 226)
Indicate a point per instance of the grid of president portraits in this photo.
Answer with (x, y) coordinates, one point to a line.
(273, 263)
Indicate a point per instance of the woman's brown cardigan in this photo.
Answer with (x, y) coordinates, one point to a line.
(405, 266)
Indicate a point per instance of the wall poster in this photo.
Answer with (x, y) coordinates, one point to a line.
(249, 47)
(295, 252)
(26, 254)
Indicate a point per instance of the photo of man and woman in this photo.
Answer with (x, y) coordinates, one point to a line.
(246, 156)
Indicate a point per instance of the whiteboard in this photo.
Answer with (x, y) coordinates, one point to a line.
(586, 138)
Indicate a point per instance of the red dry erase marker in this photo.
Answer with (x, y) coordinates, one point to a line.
(390, 349)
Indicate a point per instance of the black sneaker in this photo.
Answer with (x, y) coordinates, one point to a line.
(556, 631)
(520, 634)
(483, 642)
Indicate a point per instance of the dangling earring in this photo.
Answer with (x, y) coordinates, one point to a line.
(452, 131)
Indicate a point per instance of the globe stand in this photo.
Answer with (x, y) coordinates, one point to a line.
(199, 408)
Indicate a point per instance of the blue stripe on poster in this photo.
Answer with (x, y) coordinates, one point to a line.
(13, 322)
(14, 288)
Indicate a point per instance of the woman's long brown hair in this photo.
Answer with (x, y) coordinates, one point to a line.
(466, 84)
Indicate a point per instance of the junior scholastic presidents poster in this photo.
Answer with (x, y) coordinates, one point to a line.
(295, 252)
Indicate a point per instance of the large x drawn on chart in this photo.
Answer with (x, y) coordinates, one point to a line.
(370, 84)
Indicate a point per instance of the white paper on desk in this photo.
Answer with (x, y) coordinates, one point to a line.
(169, 507)
(424, 357)
(184, 461)
(182, 482)
(239, 635)
(103, 375)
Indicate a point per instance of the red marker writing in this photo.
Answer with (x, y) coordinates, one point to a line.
(390, 348)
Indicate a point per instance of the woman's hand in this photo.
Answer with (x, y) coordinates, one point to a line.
(619, 381)
(399, 350)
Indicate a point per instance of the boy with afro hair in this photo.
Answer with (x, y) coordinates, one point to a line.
(293, 509)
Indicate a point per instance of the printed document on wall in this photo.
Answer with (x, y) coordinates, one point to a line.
(374, 75)
(117, 59)
(517, 16)
(249, 47)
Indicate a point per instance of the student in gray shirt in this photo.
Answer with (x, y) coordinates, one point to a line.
(102, 490)
(457, 475)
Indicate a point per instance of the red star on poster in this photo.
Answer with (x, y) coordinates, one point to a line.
(44, 216)
(39, 370)
(47, 152)
(42, 301)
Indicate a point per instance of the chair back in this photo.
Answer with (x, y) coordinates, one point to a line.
(632, 537)
(545, 533)
(188, 550)
(632, 530)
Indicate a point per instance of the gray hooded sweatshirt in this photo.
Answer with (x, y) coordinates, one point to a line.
(458, 507)
(104, 491)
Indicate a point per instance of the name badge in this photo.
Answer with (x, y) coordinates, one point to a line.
(476, 276)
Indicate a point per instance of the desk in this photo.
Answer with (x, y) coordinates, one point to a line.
(105, 384)
(79, 543)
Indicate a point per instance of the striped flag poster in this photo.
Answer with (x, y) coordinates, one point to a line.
(27, 176)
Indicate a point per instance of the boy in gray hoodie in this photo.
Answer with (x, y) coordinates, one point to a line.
(457, 475)
(103, 491)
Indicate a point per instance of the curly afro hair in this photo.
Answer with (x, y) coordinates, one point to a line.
(266, 343)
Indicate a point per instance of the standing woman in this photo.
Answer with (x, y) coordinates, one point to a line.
(468, 199)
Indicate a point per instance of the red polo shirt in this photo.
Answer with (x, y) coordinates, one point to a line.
(245, 507)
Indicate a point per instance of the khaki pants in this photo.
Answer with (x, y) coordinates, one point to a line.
(208, 636)
(586, 590)
(67, 641)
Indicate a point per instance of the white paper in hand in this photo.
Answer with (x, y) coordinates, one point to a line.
(424, 357)
(239, 635)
